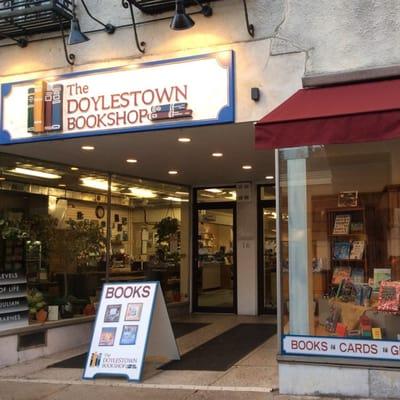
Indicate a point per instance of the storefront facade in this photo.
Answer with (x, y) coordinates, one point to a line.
(338, 246)
(126, 174)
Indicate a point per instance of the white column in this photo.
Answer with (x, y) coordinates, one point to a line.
(247, 255)
(300, 275)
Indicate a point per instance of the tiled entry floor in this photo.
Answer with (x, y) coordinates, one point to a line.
(257, 370)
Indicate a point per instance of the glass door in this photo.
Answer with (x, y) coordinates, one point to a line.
(267, 250)
(214, 269)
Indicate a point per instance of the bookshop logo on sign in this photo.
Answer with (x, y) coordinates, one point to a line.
(45, 108)
(95, 359)
(114, 362)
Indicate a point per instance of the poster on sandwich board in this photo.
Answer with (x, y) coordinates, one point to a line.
(132, 323)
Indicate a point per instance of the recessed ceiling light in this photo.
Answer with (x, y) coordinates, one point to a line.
(212, 190)
(142, 193)
(247, 167)
(173, 172)
(96, 183)
(184, 140)
(62, 185)
(269, 177)
(87, 148)
(33, 172)
(74, 169)
(182, 193)
(176, 199)
(131, 161)
(217, 154)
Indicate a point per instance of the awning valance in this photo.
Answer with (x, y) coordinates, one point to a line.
(359, 112)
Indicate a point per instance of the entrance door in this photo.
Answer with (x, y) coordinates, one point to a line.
(214, 267)
(267, 250)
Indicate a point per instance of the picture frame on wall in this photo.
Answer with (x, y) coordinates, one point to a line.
(348, 199)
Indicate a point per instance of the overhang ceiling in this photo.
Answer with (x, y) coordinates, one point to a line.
(158, 152)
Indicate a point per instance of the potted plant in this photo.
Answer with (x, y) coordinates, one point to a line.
(85, 242)
(167, 231)
(12, 230)
(37, 305)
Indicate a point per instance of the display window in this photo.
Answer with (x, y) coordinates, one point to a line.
(54, 233)
(339, 230)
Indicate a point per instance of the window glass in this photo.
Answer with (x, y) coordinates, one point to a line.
(53, 230)
(149, 235)
(340, 241)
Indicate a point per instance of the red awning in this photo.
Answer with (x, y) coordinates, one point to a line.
(353, 113)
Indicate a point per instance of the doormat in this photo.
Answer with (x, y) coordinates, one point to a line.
(180, 329)
(225, 350)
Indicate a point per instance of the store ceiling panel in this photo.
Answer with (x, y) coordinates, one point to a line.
(159, 152)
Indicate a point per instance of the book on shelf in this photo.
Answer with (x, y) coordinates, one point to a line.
(340, 274)
(357, 275)
(377, 333)
(348, 199)
(357, 250)
(342, 224)
(341, 250)
(381, 275)
(389, 297)
(356, 227)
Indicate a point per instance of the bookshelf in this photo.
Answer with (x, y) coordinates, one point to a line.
(348, 241)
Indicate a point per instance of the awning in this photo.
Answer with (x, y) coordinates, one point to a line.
(360, 112)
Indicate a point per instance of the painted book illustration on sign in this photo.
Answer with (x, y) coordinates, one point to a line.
(48, 108)
(38, 111)
(170, 111)
(45, 108)
(57, 108)
(31, 106)
(129, 334)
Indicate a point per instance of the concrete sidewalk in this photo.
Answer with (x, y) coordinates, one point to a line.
(41, 391)
(255, 376)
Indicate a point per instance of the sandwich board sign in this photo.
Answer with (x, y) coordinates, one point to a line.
(132, 322)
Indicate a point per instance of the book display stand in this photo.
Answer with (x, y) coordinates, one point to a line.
(348, 242)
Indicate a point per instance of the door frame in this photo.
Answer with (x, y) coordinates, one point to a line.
(211, 206)
(261, 204)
